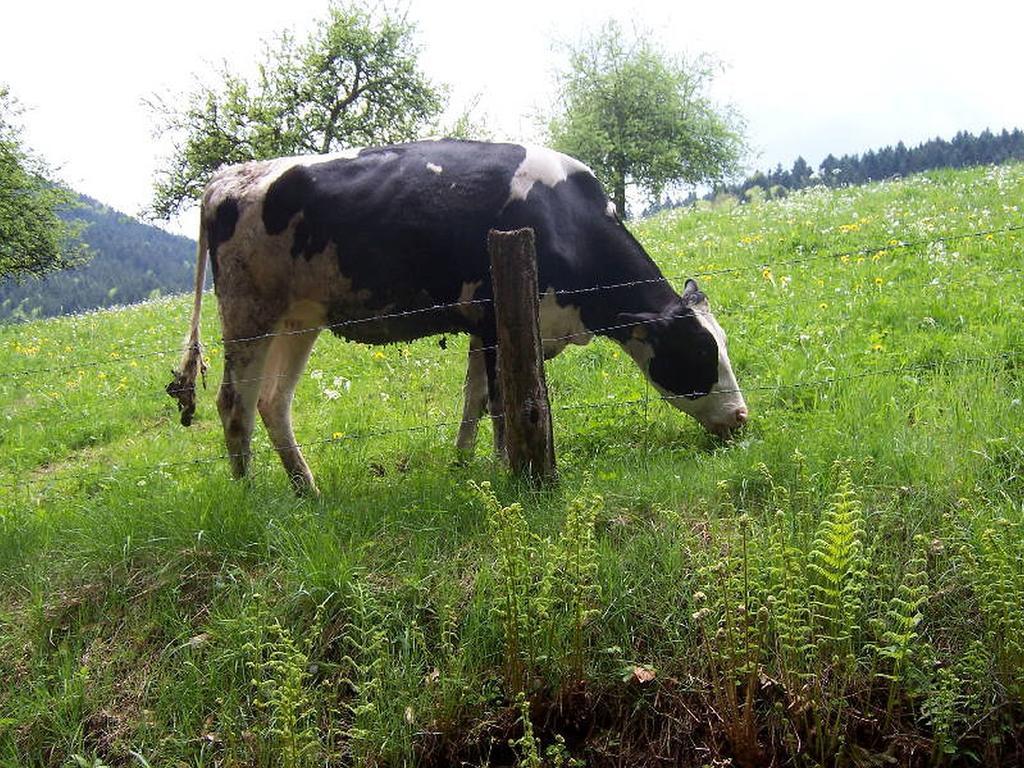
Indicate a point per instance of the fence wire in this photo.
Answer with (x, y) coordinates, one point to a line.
(339, 439)
(758, 266)
(363, 435)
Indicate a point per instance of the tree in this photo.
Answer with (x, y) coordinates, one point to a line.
(355, 81)
(34, 239)
(641, 118)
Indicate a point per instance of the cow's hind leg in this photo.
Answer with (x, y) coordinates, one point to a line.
(236, 401)
(495, 401)
(285, 363)
(474, 402)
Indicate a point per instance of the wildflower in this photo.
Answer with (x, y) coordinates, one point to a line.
(823, 305)
(378, 355)
(879, 282)
(337, 435)
(316, 374)
(342, 382)
(877, 347)
(332, 394)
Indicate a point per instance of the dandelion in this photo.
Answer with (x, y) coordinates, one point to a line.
(768, 276)
(877, 347)
(378, 355)
(823, 305)
(337, 435)
(879, 282)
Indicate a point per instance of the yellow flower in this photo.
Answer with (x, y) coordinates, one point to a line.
(378, 355)
(823, 305)
(337, 435)
(879, 281)
(876, 347)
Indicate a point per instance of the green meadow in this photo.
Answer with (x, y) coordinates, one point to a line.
(841, 584)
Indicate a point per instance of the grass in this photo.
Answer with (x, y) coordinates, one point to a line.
(842, 584)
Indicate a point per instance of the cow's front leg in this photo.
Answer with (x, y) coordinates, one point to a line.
(474, 399)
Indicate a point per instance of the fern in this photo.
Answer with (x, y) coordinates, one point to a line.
(837, 566)
(278, 667)
(999, 582)
(578, 582)
(365, 664)
(525, 578)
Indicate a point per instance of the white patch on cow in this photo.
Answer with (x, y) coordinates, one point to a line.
(253, 179)
(641, 351)
(544, 166)
(609, 210)
(470, 311)
(434, 168)
(718, 409)
(560, 326)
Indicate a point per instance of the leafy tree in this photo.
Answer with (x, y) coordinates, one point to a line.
(355, 81)
(640, 117)
(34, 239)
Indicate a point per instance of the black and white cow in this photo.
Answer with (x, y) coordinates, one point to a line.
(300, 243)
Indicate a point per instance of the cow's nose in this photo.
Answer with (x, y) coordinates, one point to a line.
(741, 416)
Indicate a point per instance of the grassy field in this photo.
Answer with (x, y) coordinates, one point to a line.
(843, 584)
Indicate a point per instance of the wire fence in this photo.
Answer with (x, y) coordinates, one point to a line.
(758, 266)
(447, 424)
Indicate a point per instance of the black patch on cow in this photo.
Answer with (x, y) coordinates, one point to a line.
(221, 229)
(685, 358)
(409, 237)
(286, 197)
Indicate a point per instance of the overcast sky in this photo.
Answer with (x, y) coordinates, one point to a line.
(809, 77)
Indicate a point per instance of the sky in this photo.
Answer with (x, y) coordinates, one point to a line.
(809, 78)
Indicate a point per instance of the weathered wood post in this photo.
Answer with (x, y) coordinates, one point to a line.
(529, 440)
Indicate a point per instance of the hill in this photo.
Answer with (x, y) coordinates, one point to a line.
(840, 585)
(132, 261)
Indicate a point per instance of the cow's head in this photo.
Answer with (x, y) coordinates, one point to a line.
(682, 350)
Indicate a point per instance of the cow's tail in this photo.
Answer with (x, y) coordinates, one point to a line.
(192, 366)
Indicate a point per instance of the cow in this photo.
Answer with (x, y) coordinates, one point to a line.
(389, 244)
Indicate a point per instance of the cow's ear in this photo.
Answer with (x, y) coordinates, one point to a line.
(692, 294)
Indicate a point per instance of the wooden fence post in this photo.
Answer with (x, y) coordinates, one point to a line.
(529, 441)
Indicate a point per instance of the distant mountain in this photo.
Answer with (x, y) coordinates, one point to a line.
(132, 261)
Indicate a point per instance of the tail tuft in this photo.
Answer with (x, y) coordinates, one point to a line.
(183, 386)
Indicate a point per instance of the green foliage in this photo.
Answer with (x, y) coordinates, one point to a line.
(355, 81)
(640, 117)
(127, 567)
(525, 580)
(277, 666)
(34, 239)
(577, 579)
(131, 262)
